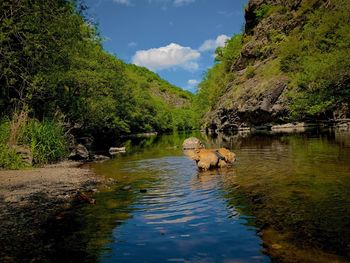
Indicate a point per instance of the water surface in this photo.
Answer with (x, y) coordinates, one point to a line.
(286, 199)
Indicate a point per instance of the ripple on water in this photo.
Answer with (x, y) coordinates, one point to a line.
(182, 213)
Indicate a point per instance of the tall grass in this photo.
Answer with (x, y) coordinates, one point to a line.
(17, 126)
(8, 157)
(46, 140)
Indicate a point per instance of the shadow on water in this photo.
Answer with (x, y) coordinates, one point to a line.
(286, 199)
(297, 188)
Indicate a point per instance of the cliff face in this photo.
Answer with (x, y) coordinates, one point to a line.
(259, 93)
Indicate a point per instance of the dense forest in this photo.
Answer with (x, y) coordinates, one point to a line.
(55, 76)
(291, 64)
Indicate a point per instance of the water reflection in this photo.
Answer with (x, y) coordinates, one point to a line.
(182, 217)
(287, 195)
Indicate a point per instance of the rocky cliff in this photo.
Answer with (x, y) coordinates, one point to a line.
(268, 75)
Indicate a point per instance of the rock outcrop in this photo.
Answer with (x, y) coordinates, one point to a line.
(258, 95)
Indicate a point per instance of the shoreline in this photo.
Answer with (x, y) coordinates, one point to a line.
(57, 181)
(33, 200)
(339, 124)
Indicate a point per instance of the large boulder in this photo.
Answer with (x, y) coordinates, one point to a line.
(79, 153)
(192, 143)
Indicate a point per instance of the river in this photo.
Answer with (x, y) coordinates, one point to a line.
(286, 199)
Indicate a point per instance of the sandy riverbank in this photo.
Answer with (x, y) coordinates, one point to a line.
(55, 181)
(34, 200)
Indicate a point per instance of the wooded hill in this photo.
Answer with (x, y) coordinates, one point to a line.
(291, 63)
(53, 63)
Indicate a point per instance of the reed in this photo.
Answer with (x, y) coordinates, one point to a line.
(46, 140)
(8, 157)
(17, 126)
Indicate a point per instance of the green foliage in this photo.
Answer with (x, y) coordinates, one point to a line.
(230, 52)
(315, 56)
(266, 10)
(263, 11)
(8, 157)
(46, 141)
(52, 60)
(317, 61)
(218, 77)
(210, 89)
(250, 72)
(159, 105)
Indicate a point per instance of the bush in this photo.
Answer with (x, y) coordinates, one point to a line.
(250, 72)
(263, 11)
(8, 157)
(46, 140)
(316, 59)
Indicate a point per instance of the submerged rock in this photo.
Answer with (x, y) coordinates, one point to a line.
(126, 188)
(192, 143)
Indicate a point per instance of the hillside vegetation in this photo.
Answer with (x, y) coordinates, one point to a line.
(54, 68)
(291, 64)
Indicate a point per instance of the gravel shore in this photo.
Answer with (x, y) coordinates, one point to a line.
(33, 201)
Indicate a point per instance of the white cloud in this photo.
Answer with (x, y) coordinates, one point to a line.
(170, 56)
(183, 2)
(212, 44)
(192, 82)
(192, 85)
(123, 2)
(132, 44)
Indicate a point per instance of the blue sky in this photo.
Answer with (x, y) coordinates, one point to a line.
(174, 38)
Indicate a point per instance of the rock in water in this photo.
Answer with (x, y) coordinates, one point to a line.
(192, 143)
(79, 153)
(126, 188)
(115, 150)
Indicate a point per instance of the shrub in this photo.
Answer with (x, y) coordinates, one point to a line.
(250, 72)
(46, 140)
(262, 11)
(8, 157)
